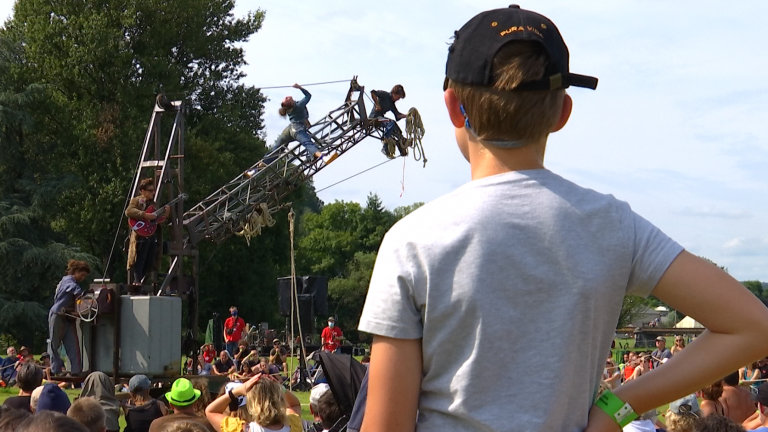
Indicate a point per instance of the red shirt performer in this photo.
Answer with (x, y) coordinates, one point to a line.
(233, 331)
(331, 336)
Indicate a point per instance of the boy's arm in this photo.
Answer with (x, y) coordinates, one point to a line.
(394, 382)
(736, 322)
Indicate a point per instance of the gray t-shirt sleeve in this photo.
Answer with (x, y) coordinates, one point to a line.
(652, 253)
(391, 308)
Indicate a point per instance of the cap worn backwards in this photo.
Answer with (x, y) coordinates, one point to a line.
(470, 57)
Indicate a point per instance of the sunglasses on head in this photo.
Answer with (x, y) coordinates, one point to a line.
(686, 409)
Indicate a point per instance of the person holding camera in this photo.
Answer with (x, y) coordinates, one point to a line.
(233, 331)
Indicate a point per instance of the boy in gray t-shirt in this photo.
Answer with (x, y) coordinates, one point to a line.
(493, 306)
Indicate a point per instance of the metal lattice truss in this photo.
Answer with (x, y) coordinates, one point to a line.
(225, 211)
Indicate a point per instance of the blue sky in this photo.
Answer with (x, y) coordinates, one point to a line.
(676, 126)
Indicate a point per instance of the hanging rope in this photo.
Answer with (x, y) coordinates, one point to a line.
(295, 299)
(414, 132)
(258, 219)
(304, 85)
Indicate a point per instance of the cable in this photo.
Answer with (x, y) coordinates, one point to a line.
(354, 175)
(303, 85)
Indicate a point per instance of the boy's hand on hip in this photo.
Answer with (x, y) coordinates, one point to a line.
(599, 421)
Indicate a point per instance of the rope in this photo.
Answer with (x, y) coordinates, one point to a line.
(414, 132)
(354, 175)
(303, 85)
(10, 365)
(295, 299)
(255, 222)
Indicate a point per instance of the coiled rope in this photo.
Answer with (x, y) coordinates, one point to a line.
(258, 219)
(414, 133)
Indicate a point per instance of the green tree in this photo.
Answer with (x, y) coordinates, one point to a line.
(341, 242)
(756, 287)
(631, 307)
(347, 294)
(81, 78)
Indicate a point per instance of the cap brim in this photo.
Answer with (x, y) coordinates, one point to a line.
(584, 81)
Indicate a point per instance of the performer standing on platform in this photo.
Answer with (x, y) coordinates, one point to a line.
(62, 328)
(142, 251)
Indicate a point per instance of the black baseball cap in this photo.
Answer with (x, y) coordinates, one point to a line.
(761, 394)
(470, 57)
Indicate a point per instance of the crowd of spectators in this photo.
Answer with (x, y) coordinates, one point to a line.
(731, 404)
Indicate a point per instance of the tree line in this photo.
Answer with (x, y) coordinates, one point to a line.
(77, 87)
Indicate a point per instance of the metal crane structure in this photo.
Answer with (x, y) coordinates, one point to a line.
(226, 210)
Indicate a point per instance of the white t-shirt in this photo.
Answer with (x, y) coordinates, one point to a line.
(255, 427)
(640, 426)
(514, 283)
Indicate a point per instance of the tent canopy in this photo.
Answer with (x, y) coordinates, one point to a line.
(688, 322)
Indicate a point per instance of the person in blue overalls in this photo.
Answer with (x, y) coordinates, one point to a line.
(297, 113)
(62, 328)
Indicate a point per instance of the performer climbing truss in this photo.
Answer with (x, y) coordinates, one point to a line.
(225, 211)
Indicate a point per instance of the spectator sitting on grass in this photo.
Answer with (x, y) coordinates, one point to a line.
(268, 406)
(716, 423)
(249, 366)
(237, 408)
(611, 374)
(182, 399)
(682, 414)
(88, 412)
(314, 398)
(141, 410)
(203, 367)
(11, 418)
(201, 385)
(738, 402)
(34, 398)
(710, 403)
(29, 377)
(49, 421)
(646, 422)
(278, 356)
(328, 411)
(242, 352)
(52, 398)
(209, 353)
(760, 421)
(750, 373)
(8, 368)
(224, 364)
(679, 345)
(99, 386)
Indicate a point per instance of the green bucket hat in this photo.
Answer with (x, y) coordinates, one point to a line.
(182, 393)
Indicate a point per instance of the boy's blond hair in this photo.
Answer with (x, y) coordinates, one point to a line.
(498, 114)
(266, 403)
(88, 412)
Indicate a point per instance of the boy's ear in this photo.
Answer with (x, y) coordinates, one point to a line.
(454, 108)
(565, 113)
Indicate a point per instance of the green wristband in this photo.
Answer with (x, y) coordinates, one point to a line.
(619, 410)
